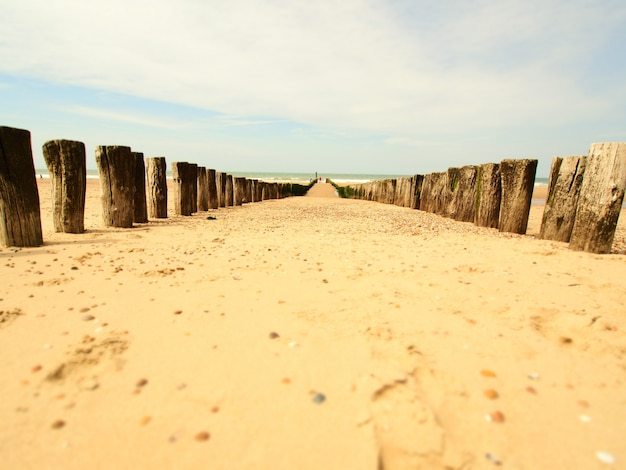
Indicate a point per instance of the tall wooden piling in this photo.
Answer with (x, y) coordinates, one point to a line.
(518, 181)
(157, 187)
(433, 196)
(211, 177)
(193, 188)
(20, 217)
(141, 208)
(566, 177)
(488, 195)
(228, 199)
(462, 205)
(601, 198)
(416, 190)
(239, 191)
(183, 188)
(221, 189)
(203, 190)
(116, 166)
(66, 162)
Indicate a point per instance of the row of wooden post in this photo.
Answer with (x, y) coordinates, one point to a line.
(126, 199)
(585, 195)
(489, 195)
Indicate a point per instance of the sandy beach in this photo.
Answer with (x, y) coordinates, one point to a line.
(310, 333)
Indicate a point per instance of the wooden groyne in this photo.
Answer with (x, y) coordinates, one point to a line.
(585, 195)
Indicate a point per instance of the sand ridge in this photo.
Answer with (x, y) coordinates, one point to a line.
(310, 333)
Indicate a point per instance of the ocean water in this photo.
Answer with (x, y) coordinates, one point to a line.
(298, 178)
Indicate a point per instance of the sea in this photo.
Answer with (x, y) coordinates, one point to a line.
(297, 178)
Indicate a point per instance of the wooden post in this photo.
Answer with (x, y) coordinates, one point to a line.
(239, 191)
(601, 198)
(518, 182)
(416, 189)
(488, 195)
(221, 190)
(433, 196)
(464, 194)
(116, 166)
(228, 199)
(566, 177)
(212, 188)
(141, 209)
(203, 190)
(20, 217)
(157, 187)
(66, 162)
(193, 186)
(183, 188)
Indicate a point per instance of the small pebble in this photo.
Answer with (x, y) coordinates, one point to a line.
(145, 420)
(495, 417)
(88, 317)
(84, 309)
(58, 424)
(605, 457)
(491, 393)
(531, 390)
(286, 380)
(274, 335)
(319, 398)
(202, 436)
(493, 459)
(533, 376)
(177, 312)
(36, 368)
(142, 382)
(487, 373)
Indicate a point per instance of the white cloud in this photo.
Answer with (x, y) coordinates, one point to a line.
(405, 69)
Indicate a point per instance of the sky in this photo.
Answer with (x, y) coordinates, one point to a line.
(350, 86)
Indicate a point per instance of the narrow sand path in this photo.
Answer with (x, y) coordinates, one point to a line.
(322, 190)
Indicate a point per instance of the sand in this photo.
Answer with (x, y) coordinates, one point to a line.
(310, 333)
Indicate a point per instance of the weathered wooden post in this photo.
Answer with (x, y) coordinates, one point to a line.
(20, 217)
(488, 195)
(601, 198)
(518, 182)
(433, 196)
(239, 191)
(212, 188)
(220, 179)
(193, 185)
(464, 196)
(141, 209)
(203, 190)
(157, 187)
(228, 199)
(566, 177)
(182, 188)
(416, 189)
(116, 166)
(66, 162)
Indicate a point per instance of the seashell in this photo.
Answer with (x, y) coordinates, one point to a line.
(605, 457)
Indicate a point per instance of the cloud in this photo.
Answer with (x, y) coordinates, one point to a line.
(409, 70)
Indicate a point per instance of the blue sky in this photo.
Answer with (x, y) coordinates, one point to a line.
(357, 86)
